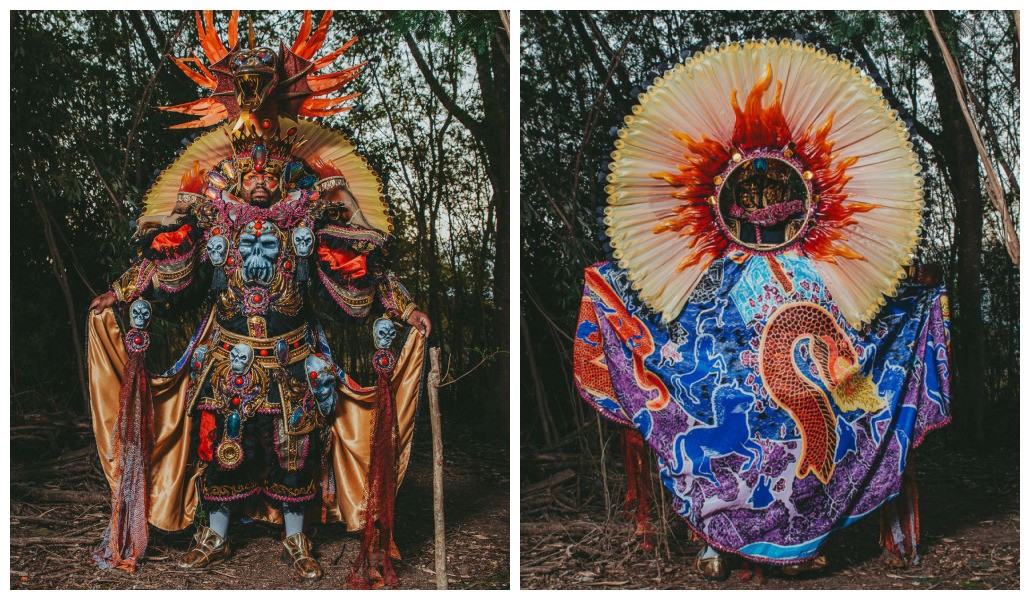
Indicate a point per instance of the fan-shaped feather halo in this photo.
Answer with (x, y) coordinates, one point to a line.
(868, 198)
(320, 143)
(364, 184)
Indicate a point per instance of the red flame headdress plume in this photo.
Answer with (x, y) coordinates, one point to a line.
(826, 125)
(298, 88)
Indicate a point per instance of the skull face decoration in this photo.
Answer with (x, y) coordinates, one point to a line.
(259, 247)
(216, 250)
(384, 332)
(199, 357)
(303, 241)
(240, 358)
(322, 377)
(139, 314)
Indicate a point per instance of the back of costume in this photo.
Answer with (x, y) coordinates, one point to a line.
(756, 326)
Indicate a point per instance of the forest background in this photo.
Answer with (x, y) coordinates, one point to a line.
(580, 72)
(580, 75)
(87, 141)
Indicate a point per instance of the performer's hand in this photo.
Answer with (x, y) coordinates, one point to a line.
(420, 321)
(103, 302)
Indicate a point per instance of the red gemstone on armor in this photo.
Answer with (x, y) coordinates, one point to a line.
(288, 265)
(264, 353)
(217, 231)
(231, 260)
(225, 345)
(266, 123)
(291, 131)
(257, 298)
(239, 381)
(236, 401)
(197, 364)
(314, 375)
(296, 344)
(137, 340)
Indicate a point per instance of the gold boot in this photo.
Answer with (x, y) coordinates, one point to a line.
(297, 552)
(208, 548)
(712, 568)
(816, 564)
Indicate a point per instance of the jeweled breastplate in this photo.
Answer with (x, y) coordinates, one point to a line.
(260, 270)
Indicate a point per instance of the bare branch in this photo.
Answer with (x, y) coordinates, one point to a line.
(996, 193)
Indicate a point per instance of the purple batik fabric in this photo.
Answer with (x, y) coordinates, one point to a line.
(727, 452)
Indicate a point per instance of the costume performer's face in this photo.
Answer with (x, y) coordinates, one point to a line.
(260, 188)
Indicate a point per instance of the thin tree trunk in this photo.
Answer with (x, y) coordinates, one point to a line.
(541, 404)
(959, 154)
(61, 274)
(994, 188)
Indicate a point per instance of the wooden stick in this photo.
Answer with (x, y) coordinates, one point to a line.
(440, 542)
(994, 190)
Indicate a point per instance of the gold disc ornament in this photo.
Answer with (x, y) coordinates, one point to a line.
(229, 454)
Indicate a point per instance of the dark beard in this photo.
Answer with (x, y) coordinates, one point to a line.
(263, 201)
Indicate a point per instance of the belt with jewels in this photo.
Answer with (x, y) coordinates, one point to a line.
(280, 350)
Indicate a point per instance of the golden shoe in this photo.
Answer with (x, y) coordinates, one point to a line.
(816, 564)
(297, 551)
(208, 548)
(713, 568)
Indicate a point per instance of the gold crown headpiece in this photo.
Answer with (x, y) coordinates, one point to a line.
(253, 151)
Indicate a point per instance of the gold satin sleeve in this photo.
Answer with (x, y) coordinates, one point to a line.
(173, 489)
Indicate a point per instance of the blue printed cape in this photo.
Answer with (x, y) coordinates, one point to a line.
(774, 422)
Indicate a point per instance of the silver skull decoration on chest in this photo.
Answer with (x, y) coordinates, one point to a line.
(240, 358)
(303, 241)
(259, 248)
(139, 313)
(384, 332)
(217, 248)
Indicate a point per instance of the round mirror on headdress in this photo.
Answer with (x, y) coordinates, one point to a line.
(764, 147)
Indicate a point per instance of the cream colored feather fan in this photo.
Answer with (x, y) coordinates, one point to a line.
(747, 107)
(370, 208)
(331, 146)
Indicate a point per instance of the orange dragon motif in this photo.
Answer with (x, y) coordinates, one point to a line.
(807, 403)
(635, 336)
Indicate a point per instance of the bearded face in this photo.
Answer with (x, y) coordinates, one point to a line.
(260, 188)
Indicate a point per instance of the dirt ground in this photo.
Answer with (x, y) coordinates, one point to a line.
(57, 520)
(969, 505)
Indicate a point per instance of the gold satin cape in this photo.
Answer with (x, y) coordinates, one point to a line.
(173, 478)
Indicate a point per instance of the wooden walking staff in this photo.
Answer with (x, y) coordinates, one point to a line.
(440, 541)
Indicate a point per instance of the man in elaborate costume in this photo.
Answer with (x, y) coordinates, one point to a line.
(756, 328)
(251, 221)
